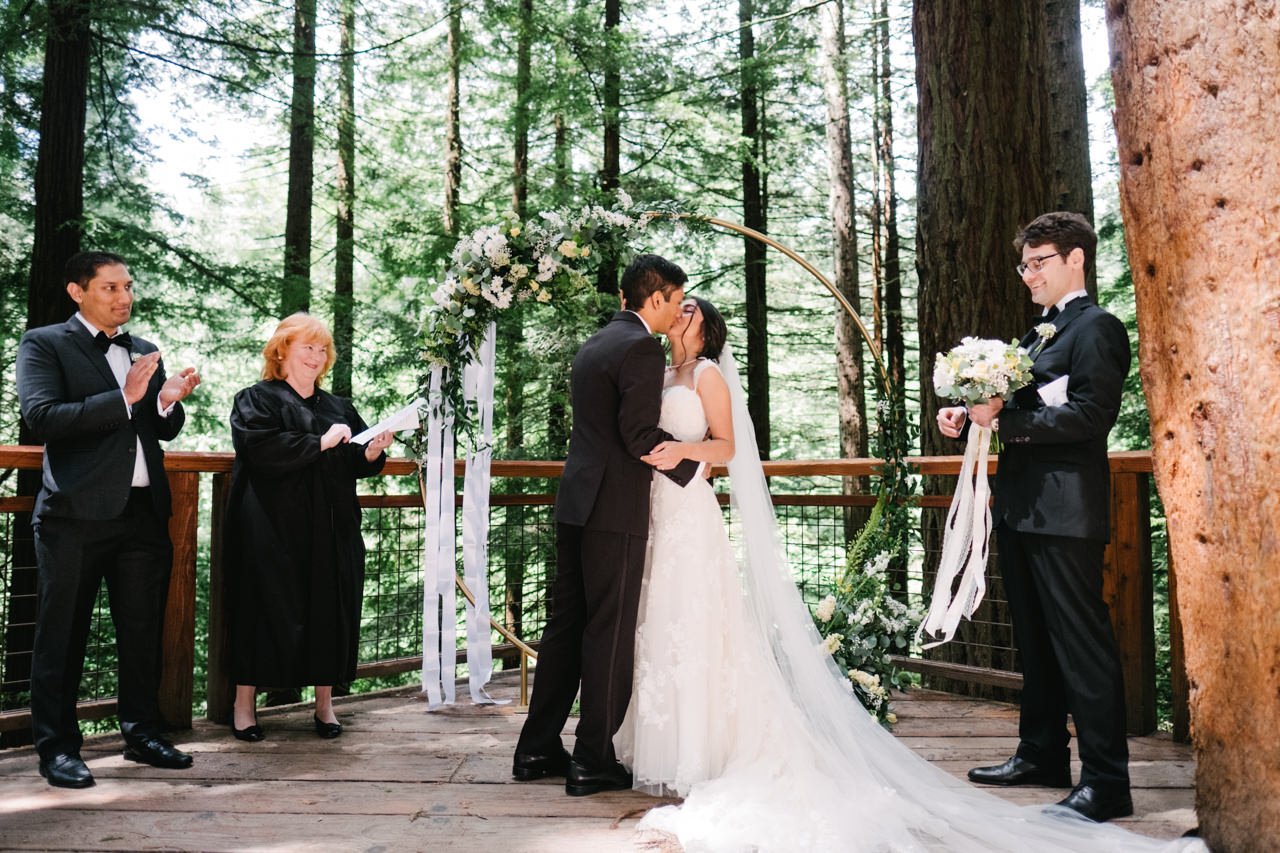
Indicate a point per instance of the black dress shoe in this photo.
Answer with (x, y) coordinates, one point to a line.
(252, 733)
(66, 770)
(528, 766)
(1019, 771)
(157, 752)
(582, 781)
(1096, 805)
(328, 731)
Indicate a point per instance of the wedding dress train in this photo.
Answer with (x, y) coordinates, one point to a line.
(738, 709)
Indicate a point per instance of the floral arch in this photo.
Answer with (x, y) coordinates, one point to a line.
(541, 260)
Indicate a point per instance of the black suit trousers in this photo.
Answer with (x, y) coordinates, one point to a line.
(589, 639)
(133, 554)
(1070, 662)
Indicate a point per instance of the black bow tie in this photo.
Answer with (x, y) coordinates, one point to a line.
(121, 340)
(1049, 315)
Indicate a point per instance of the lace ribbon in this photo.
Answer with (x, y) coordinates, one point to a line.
(965, 545)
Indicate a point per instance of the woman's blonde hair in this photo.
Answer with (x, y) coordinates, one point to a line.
(300, 328)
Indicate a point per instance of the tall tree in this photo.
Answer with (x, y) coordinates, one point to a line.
(755, 216)
(345, 247)
(1196, 114)
(611, 92)
(59, 179)
(851, 399)
(296, 293)
(980, 82)
(1070, 175)
(974, 60)
(453, 124)
(887, 243)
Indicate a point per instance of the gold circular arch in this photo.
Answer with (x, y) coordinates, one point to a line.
(528, 653)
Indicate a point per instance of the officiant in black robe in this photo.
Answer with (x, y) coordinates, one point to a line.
(295, 554)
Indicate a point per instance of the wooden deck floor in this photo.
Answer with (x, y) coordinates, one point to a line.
(401, 778)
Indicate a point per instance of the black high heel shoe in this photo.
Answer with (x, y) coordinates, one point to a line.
(252, 733)
(328, 731)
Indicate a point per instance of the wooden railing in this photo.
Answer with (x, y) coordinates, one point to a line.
(1128, 584)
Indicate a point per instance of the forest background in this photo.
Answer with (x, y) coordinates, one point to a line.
(254, 158)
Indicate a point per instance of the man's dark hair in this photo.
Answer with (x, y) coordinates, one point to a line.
(1064, 230)
(647, 275)
(713, 330)
(83, 266)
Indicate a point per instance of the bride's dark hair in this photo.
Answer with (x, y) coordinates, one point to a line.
(713, 330)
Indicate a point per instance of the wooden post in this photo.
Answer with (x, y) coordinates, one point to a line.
(178, 645)
(218, 687)
(1127, 589)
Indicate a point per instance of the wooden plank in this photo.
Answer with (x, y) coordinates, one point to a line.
(421, 829)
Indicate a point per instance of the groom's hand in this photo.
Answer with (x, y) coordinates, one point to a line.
(665, 456)
(984, 413)
(951, 421)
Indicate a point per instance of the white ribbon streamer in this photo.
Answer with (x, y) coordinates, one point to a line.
(965, 545)
(478, 381)
(439, 605)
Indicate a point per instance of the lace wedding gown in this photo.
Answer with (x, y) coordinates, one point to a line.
(737, 709)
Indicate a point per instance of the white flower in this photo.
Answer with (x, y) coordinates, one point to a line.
(877, 564)
(624, 200)
(832, 643)
(1046, 331)
(826, 608)
(547, 267)
(569, 249)
(891, 718)
(544, 296)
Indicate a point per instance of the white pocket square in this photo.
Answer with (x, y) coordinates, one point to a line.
(1054, 393)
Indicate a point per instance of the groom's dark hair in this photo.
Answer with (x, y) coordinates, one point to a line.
(647, 275)
(1063, 229)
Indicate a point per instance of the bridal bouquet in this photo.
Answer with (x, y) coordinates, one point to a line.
(979, 369)
(973, 372)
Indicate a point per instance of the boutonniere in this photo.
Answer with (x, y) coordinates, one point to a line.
(1045, 333)
(134, 355)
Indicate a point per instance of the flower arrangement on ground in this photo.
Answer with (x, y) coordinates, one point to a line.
(862, 624)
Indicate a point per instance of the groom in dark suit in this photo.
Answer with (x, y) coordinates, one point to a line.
(100, 402)
(1052, 517)
(602, 529)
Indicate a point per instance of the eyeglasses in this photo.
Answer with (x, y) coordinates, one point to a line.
(1036, 264)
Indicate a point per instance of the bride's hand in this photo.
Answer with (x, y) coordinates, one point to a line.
(665, 456)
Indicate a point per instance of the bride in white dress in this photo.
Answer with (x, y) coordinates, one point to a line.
(738, 709)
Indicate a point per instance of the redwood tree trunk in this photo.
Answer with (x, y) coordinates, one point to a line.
(851, 400)
(296, 295)
(453, 124)
(1196, 114)
(344, 249)
(59, 180)
(983, 145)
(611, 167)
(1069, 169)
(754, 215)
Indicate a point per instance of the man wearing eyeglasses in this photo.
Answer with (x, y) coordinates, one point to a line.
(1052, 518)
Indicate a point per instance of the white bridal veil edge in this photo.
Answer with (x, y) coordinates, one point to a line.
(839, 780)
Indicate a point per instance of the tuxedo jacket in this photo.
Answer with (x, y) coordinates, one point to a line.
(616, 394)
(73, 403)
(1053, 477)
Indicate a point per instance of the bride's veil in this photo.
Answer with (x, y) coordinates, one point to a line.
(902, 801)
